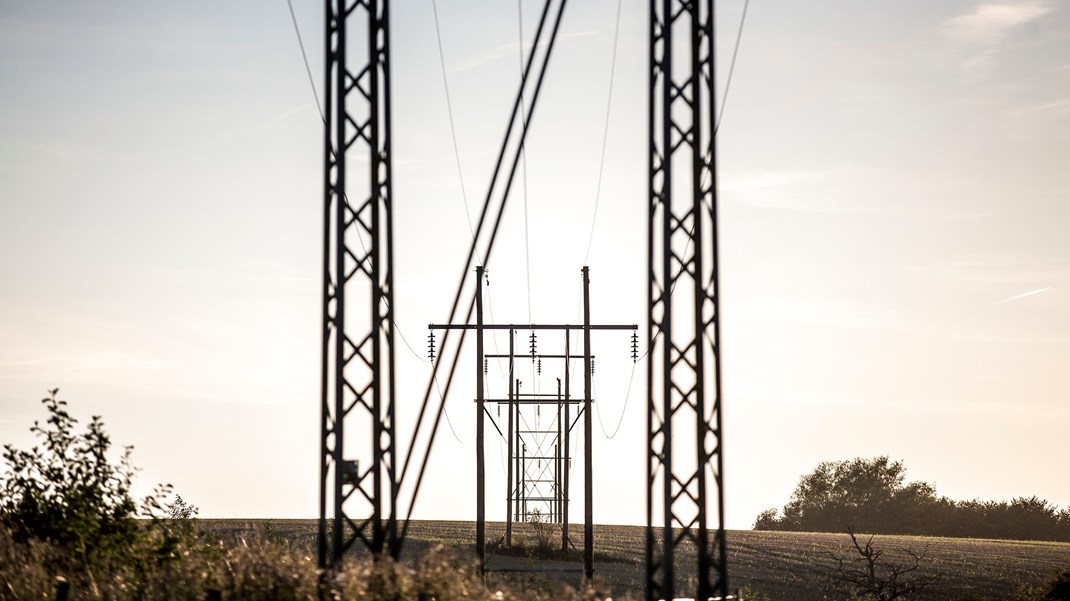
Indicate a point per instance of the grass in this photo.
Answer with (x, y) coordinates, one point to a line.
(789, 566)
(275, 559)
(256, 561)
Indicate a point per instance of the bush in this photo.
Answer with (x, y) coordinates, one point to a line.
(543, 533)
(67, 492)
(1055, 588)
(67, 514)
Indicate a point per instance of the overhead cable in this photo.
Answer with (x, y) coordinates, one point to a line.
(731, 67)
(523, 152)
(490, 244)
(304, 56)
(449, 111)
(605, 132)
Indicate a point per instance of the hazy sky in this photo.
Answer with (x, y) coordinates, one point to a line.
(895, 205)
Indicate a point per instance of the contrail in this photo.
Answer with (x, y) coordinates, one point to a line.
(1023, 295)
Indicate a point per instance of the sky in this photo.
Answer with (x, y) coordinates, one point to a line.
(894, 207)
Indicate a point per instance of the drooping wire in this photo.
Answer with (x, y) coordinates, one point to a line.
(623, 410)
(524, 175)
(319, 108)
(449, 111)
(304, 57)
(406, 341)
(523, 151)
(447, 413)
(605, 133)
(431, 351)
(731, 68)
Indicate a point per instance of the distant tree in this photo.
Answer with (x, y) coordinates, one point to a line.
(870, 493)
(66, 490)
(1031, 517)
(873, 494)
(767, 520)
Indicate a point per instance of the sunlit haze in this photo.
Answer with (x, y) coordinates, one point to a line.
(895, 202)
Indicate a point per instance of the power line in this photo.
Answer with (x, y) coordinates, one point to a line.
(449, 111)
(731, 67)
(623, 410)
(464, 197)
(609, 99)
(304, 56)
(447, 413)
(495, 229)
(437, 385)
(523, 151)
(605, 133)
(406, 341)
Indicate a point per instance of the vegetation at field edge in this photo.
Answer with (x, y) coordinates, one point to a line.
(873, 495)
(66, 512)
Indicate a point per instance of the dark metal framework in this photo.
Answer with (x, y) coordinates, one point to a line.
(358, 483)
(515, 401)
(684, 467)
(539, 491)
(536, 481)
(358, 501)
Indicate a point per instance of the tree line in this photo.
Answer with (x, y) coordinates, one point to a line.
(873, 496)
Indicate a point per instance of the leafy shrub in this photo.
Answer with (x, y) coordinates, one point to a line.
(66, 491)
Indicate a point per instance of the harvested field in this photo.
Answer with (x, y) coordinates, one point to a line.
(787, 566)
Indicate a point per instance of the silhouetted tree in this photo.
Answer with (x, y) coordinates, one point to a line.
(768, 520)
(870, 493)
(870, 574)
(873, 495)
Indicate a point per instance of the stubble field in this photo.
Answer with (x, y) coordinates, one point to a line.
(780, 566)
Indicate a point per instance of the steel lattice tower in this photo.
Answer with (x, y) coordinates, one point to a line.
(684, 467)
(358, 483)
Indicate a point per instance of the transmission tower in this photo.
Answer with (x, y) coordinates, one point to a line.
(514, 401)
(685, 499)
(541, 481)
(358, 484)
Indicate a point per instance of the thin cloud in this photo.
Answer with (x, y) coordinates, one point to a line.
(990, 23)
(1057, 106)
(831, 190)
(1023, 295)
